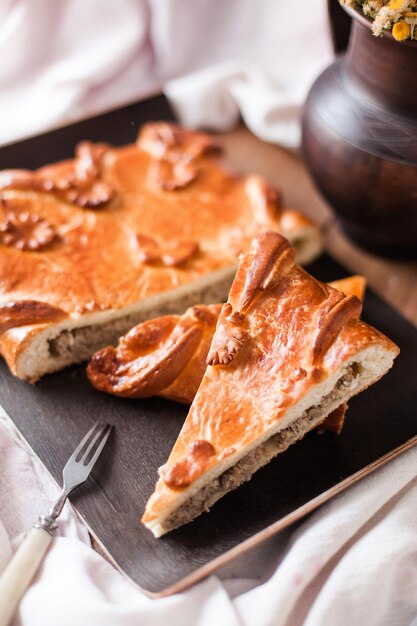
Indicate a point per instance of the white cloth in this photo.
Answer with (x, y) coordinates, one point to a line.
(355, 560)
(352, 562)
(61, 61)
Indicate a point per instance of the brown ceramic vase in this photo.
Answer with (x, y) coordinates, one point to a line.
(360, 140)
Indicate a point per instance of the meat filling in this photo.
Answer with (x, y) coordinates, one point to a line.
(262, 454)
(78, 344)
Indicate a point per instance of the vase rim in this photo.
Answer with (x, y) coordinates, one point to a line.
(366, 21)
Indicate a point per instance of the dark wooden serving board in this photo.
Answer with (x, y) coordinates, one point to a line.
(53, 415)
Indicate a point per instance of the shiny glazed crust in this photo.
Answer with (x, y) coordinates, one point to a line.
(115, 227)
(166, 356)
(283, 341)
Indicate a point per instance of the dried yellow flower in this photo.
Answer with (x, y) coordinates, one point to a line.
(396, 4)
(387, 15)
(411, 19)
(401, 30)
(375, 5)
(382, 21)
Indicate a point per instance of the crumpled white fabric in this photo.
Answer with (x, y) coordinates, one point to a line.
(62, 61)
(218, 96)
(279, 54)
(354, 561)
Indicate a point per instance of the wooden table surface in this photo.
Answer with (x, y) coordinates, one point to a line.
(396, 281)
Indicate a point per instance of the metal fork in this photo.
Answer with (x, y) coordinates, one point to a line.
(19, 572)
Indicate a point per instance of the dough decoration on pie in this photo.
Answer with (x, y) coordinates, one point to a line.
(288, 375)
(123, 370)
(79, 182)
(25, 231)
(170, 255)
(170, 350)
(27, 312)
(176, 153)
(116, 236)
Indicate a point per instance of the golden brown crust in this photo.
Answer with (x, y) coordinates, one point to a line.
(229, 339)
(24, 231)
(182, 473)
(26, 313)
(78, 182)
(334, 422)
(108, 368)
(265, 199)
(271, 258)
(166, 140)
(165, 356)
(335, 313)
(144, 240)
(176, 153)
(282, 359)
(351, 286)
(170, 255)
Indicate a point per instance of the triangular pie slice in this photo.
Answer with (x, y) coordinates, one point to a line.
(96, 244)
(287, 351)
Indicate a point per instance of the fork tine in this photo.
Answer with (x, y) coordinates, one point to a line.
(82, 444)
(89, 463)
(90, 445)
(81, 462)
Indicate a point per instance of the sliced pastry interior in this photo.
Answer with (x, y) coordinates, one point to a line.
(96, 244)
(288, 350)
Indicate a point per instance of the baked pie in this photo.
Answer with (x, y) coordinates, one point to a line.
(287, 351)
(91, 246)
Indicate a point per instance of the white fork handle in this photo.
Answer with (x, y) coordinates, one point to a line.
(19, 572)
